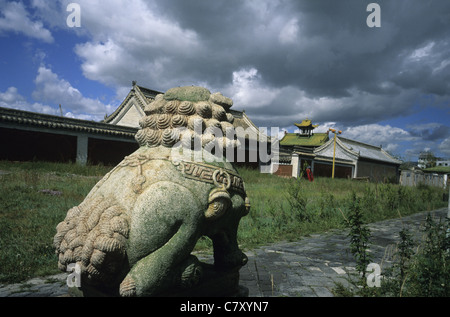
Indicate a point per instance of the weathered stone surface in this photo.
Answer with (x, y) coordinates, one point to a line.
(188, 108)
(221, 100)
(188, 93)
(134, 232)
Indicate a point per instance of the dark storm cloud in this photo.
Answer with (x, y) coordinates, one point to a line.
(335, 49)
(430, 132)
(376, 72)
(280, 60)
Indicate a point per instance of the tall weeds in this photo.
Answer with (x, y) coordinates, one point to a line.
(281, 209)
(286, 209)
(359, 235)
(421, 268)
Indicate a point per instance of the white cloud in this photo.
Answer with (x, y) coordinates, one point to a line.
(131, 41)
(50, 91)
(15, 18)
(323, 127)
(248, 91)
(422, 52)
(54, 90)
(279, 60)
(444, 147)
(279, 106)
(289, 32)
(375, 134)
(11, 98)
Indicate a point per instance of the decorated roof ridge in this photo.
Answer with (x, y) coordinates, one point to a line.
(147, 92)
(340, 142)
(344, 143)
(115, 113)
(358, 142)
(369, 145)
(306, 123)
(294, 139)
(143, 94)
(58, 122)
(236, 113)
(242, 120)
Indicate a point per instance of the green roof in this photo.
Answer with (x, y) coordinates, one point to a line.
(438, 169)
(292, 139)
(306, 124)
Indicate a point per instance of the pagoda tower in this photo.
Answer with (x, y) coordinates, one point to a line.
(306, 127)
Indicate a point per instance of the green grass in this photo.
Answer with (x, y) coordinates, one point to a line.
(28, 217)
(324, 203)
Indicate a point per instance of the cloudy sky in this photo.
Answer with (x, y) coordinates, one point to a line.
(279, 60)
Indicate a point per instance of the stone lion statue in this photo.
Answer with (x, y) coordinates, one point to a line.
(134, 232)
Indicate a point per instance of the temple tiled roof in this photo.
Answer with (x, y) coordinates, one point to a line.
(295, 139)
(306, 124)
(354, 150)
(243, 121)
(149, 94)
(143, 96)
(27, 118)
(368, 151)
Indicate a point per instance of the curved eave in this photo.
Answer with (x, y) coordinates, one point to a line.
(389, 159)
(25, 118)
(142, 97)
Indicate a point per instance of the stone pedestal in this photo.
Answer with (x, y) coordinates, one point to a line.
(213, 283)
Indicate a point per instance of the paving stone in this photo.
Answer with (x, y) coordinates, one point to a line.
(300, 291)
(338, 270)
(322, 291)
(20, 294)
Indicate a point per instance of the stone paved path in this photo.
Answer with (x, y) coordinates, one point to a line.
(311, 266)
(307, 268)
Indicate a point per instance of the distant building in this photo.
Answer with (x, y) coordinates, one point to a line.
(442, 163)
(303, 142)
(353, 159)
(434, 176)
(426, 160)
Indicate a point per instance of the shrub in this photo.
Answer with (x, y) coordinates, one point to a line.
(359, 235)
(425, 273)
(297, 200)
(429, 274)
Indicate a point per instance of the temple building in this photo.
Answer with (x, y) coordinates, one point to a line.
(131, 110)
(353, 159)
(306, 128)
(27, 136)
(304, 141)
(35, 136)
